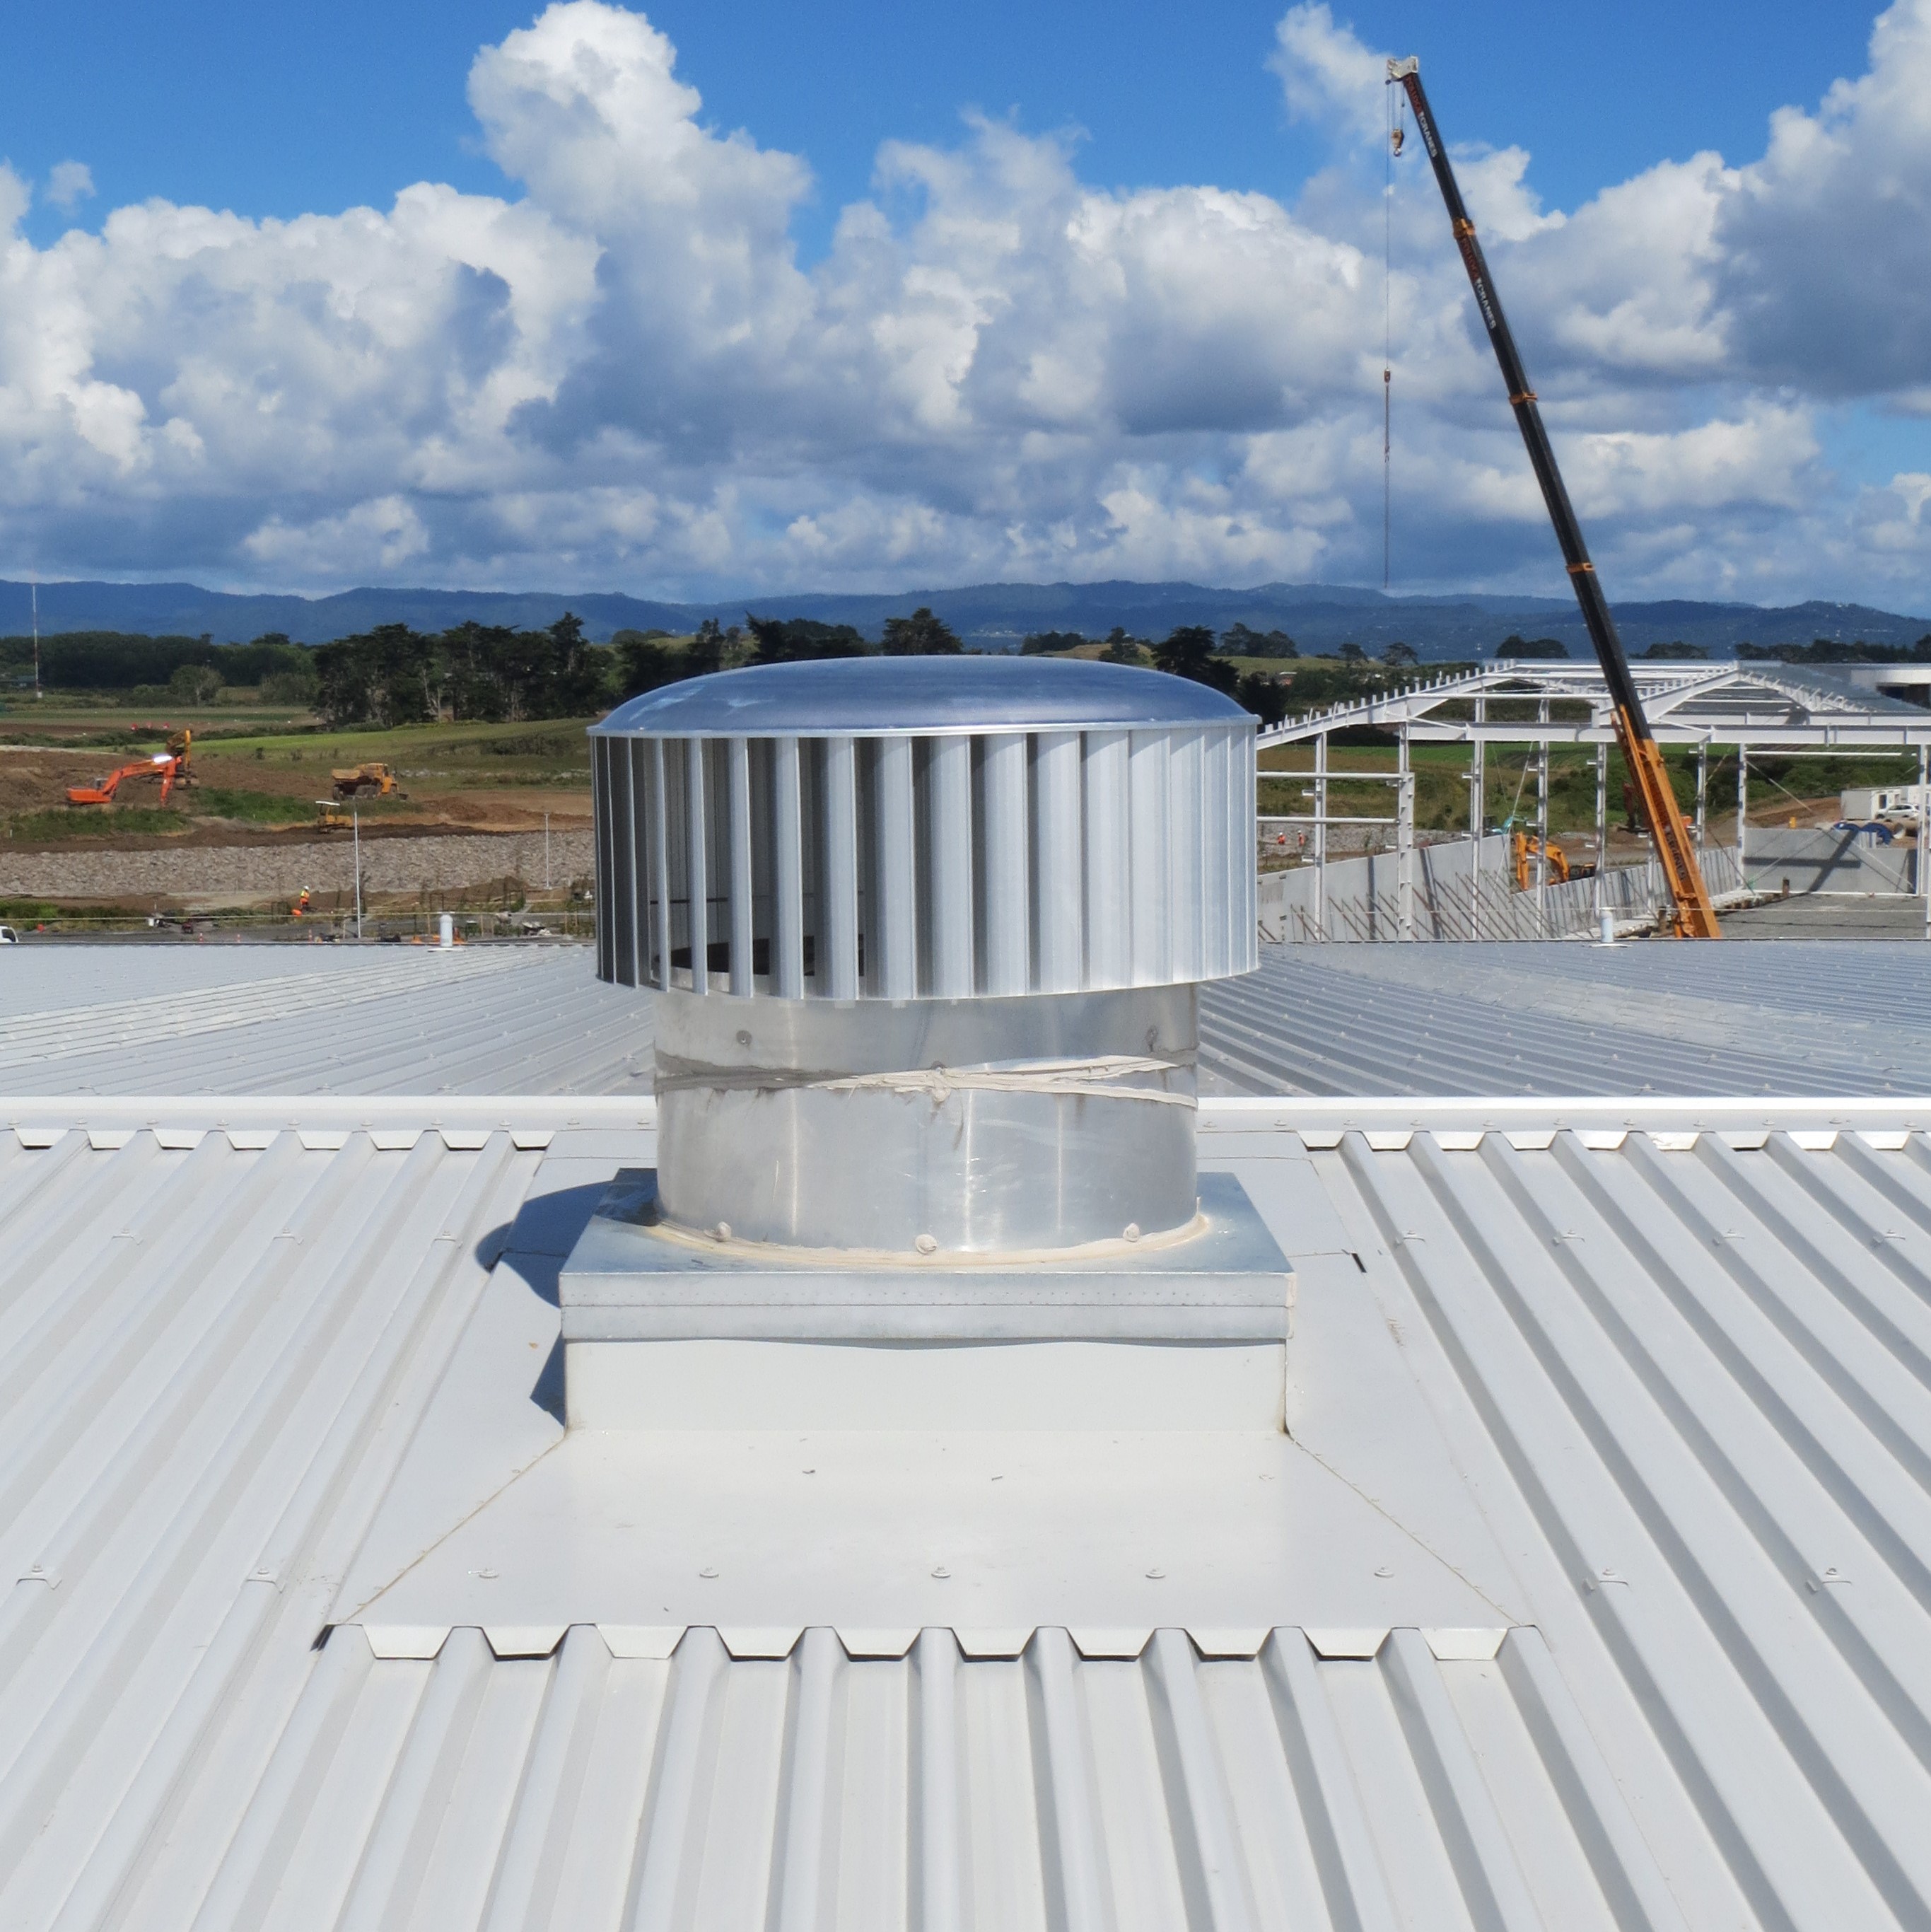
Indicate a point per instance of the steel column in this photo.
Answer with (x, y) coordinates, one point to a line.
(1602, 823)
(1321, 836)
(1743, 802)
(1478, 816)
(1404, 839)
(1541, 826)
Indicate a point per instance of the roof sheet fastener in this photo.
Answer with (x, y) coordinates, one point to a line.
(40, 1573)
(1824, 1578)
(1603, 1578)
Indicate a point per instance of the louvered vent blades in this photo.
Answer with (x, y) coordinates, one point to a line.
(923, 829)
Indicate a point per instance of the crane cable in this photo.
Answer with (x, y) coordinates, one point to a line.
(1396, 118)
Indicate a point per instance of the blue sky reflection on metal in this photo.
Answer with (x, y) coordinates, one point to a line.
(924, 694)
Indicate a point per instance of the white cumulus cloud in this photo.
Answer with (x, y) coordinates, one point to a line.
(619, 373)
(69, 184)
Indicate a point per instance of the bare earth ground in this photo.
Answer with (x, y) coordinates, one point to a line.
(478, 799)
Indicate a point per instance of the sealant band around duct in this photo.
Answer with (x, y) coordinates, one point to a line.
(1102, 1077)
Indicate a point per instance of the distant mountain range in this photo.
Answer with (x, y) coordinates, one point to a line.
(990, 616)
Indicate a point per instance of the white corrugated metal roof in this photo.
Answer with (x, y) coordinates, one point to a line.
(1676, 1359)
(1656, 1017)
(1659, 1017)
(314, 1019)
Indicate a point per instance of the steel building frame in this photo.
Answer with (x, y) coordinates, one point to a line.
(1753, 707)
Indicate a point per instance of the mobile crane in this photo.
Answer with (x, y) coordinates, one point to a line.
(1693, 916)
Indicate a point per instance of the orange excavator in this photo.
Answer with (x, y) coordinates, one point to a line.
(1526, 846)
(171, 767)
(1692, 916)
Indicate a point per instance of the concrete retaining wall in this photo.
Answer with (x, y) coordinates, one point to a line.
(1455, 898)
(1777, 858)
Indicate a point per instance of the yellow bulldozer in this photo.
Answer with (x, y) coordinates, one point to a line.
(375, 781)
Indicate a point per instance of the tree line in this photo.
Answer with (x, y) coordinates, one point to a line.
(124, 660)
(393, 675)
(1237, 641)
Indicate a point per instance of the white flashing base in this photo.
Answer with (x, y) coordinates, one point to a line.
(763, 1384)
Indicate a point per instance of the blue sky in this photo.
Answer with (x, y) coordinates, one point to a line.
(280, 110)
(927, 295)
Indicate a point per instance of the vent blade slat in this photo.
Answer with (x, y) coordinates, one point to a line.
(787, 933)
(838, 938)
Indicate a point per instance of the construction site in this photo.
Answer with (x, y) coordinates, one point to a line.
(971, 1292)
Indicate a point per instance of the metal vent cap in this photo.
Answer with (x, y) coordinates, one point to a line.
(925, 828)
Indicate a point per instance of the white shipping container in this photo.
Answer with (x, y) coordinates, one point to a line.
(1882, 801)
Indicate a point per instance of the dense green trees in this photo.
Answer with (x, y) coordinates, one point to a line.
(1189, 652)
(195, 684)
(393, 675)
(803, 639)
(1238, 641)
(119, 660)
(1829, 651)
(920, 635)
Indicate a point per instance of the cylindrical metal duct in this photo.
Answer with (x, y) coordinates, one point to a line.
(926, 932)
(955, 1127)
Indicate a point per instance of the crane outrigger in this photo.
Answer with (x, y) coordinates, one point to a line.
(1692, 916)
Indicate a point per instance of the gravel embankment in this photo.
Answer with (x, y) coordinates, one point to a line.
(222, 874)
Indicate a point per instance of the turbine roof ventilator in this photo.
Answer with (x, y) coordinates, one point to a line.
(925, 934)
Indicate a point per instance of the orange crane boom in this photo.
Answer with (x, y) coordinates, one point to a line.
(1693, 916)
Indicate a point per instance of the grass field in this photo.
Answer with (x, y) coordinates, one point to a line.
(1779, 787)
(265, 768)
